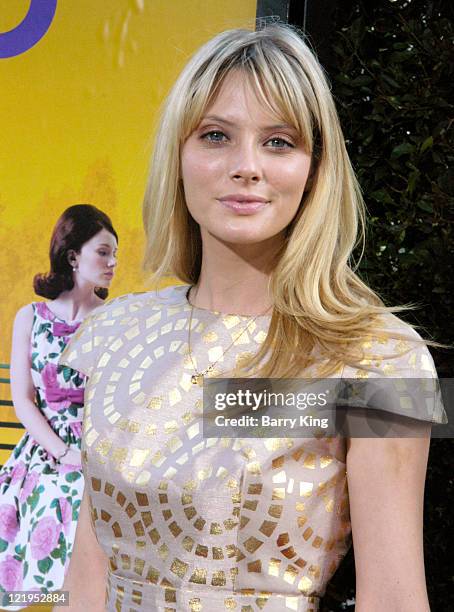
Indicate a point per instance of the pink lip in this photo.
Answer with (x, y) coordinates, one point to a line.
(109, 274)
(244, 204)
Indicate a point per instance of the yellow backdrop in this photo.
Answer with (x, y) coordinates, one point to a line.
(77, 112)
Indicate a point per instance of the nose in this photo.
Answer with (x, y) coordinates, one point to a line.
(112, 261)
(246, 164)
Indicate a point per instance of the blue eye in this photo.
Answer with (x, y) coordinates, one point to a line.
(280, 143)
(214, 136)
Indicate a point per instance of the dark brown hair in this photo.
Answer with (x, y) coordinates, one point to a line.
(76, 226)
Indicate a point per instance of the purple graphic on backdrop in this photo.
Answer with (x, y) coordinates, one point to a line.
(31, 29)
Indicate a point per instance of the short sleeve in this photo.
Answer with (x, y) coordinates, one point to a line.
(398, 374)
(80, 352)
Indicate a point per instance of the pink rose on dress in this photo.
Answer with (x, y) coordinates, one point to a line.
(66, 514)
(11, 574)
(8, 522)
(44, 538)
(76, 428)
(49, 378)
(29, 485)
(42, 310)
(18, 472)
(4, 477)
(66, 468)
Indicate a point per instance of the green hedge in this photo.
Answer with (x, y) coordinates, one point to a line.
(392, 67)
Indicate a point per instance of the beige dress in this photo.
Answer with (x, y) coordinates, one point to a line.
(195, 524)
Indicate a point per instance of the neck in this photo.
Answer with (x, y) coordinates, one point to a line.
(234, 278)
(77, 303)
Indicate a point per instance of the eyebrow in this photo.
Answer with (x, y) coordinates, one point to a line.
(107, 245)
(232, 124)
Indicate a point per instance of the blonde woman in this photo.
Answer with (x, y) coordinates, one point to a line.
(253, 204)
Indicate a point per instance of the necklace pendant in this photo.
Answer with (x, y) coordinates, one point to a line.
(197, 379)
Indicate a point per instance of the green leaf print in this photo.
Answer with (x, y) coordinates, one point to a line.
(44, 565)
(49, 584)
(33, 500)
(60, 552)
(67, 373)
(65, 489)
(42, 328)
(78, 380)
(40, 512)
(3, 545)
(64, 552)
(54, 503)
(73, 411)
(52, 355)
(72, 476)
(39, 579)
(58, 512)
(56, 553)
(75, 513)
(20, 551)
(25, 566)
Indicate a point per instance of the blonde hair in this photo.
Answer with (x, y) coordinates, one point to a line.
(319, 301)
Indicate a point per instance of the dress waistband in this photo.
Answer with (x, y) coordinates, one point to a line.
(128, 595)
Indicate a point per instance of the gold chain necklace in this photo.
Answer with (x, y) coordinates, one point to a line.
(197, 378)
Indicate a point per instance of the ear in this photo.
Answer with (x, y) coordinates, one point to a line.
(72, 258)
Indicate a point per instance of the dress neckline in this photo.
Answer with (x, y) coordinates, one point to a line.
(186, 289)
(54, 316)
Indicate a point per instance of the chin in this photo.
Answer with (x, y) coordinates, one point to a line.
(244, 237)
(105, 284)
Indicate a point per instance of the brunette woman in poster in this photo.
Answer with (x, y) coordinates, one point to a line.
(41, 484)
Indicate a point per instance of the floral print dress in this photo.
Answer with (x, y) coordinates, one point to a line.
(40, 499)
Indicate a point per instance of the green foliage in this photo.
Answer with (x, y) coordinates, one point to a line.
(392, 67)
(392, 72)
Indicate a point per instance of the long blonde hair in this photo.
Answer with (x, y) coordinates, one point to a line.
(319, 301)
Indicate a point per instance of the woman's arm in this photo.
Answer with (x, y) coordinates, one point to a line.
(386, 479)
(86, 577)
(22, 388)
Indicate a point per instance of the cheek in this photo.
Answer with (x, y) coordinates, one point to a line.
(91, 262)
(290, 179)
(199, 170)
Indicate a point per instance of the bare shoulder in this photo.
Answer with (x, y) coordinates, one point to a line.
(24, 316)
(22, 331)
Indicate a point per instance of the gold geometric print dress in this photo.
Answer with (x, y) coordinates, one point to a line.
(203, 524)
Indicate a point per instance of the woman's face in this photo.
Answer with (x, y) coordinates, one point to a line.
(243, 170)
(96, 261)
